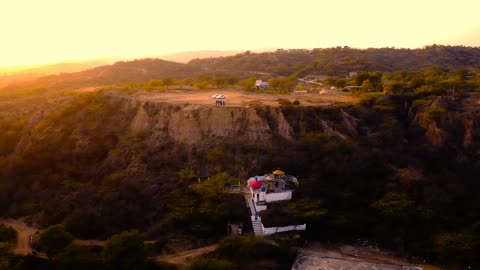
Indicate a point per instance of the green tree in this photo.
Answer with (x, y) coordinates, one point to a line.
(340, 83)
(155, 83)
(202, 85)
(214, 186)
(307, 208)
(125, 251)
(168, 82)
(5, 256)
(217, 154)
(288, 83)
(54, 239)
(395, 206)
(231, 81)
(79, 257)
(376, 80)
(219, 82)
(394, 87)
(187, 81)
(247, 84)
(274, 83)
(7, 234)
(187, 175)
(329, 81)
(456, 246)
(366, 86)
(212, 204)
(361, 77)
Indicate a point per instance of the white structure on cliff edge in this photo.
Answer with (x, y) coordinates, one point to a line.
(268, 188)
(273, 187)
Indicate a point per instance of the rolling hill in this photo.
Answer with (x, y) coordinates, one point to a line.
(337, 61)
(119, 72)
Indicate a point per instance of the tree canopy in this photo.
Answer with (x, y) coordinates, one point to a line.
(54, 239)
(125, 251)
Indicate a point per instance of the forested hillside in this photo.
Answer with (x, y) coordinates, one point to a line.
(398, 168)
(401, 171)
(342, 60)
(337, 61)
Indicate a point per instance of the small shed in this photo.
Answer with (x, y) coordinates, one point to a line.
(235, 229)
(259, 84)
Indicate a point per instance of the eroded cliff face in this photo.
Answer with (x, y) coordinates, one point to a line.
(109, 132)
(195, 124)
(109, 117)
(448, 121)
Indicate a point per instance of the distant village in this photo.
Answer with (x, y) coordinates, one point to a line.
(315, 83)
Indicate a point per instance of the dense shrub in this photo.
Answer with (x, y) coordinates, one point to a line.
(54, 239)
(125, 251)
(7, 234)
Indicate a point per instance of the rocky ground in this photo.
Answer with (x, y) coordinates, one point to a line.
(318, 257)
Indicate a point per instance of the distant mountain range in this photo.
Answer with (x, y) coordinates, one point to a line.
(12, 75)
(336, 61)
(18, 74)
(185, 57)
(119, 72)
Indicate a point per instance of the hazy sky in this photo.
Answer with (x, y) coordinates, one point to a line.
(56, 30)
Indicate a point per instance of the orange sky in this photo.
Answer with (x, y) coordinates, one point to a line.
(47, 31)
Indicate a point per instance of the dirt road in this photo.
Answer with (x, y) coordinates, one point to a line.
(24, 232)
(184, 257)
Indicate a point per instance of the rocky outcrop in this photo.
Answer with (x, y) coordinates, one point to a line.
(194, 124)
(445, 120)
(140, 122)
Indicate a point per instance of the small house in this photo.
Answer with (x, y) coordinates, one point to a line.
(259, 84)
(265, 189)
(273, 187)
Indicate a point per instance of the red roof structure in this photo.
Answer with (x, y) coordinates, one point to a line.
(255, 184)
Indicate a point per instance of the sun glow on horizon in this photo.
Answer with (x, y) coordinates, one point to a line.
(55, 31)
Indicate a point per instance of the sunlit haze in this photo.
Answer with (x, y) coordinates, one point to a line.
(48, 31)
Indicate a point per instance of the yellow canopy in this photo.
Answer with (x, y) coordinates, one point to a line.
(278, 172)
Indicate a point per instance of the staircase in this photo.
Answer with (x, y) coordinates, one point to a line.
(257, 227)
(256, 220)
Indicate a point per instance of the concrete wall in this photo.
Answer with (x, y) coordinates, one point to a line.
(272, 230)
(260, 208)
(278, 196)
